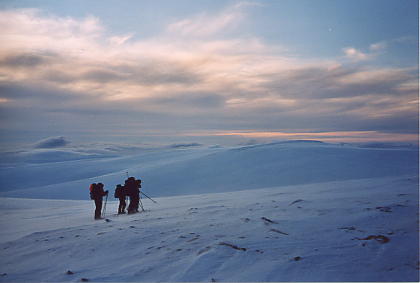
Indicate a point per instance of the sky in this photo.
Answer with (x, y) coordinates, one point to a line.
(209, 71)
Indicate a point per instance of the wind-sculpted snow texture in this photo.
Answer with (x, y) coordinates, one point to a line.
(191, 169)
(355, 230)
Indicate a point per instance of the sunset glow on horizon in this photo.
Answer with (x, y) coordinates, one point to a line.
(353, 136)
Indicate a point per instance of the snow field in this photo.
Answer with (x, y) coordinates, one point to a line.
(355, 230)
(185, 171)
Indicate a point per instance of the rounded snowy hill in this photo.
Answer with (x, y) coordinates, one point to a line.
(180, 170)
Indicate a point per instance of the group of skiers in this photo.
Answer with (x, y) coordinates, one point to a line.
(131, 189)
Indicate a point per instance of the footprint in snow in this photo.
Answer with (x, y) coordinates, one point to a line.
(351, 228)
(193, 239)
(296, 201)
(278, 231)
(232, 246)
(268, 221)
(379, 238)
(384, 208)
(401, 205)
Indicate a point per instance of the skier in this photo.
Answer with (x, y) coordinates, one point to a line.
(97, 193)
(121, 195)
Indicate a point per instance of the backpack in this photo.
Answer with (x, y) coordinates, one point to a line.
(118, 192)
(92, 189)
(130, 187)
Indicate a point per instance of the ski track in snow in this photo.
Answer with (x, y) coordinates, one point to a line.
(312, 232)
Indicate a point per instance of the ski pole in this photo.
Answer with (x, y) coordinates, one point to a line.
(104, 210)
(148, 197)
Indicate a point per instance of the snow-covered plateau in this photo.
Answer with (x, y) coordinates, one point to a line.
(277, 212)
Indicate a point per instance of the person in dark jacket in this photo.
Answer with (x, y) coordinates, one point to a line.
(130, 193)
(97, 193)
(133, 193)
(121, 195)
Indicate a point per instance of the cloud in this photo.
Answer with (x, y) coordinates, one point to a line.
(52, 142)
(185, 145)
(355, 54)
(195, 74)
(24, 60)
(204, 25)
(195, 100)
(378, 46)
(28, 30)
(340, 82)
(120, 40)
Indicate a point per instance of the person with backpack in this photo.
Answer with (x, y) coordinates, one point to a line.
(133, 193)
(121, 195)
(97, 193)
(130, 193)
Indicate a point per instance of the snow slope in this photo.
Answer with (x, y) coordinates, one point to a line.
(179, 170)
(354, 230)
